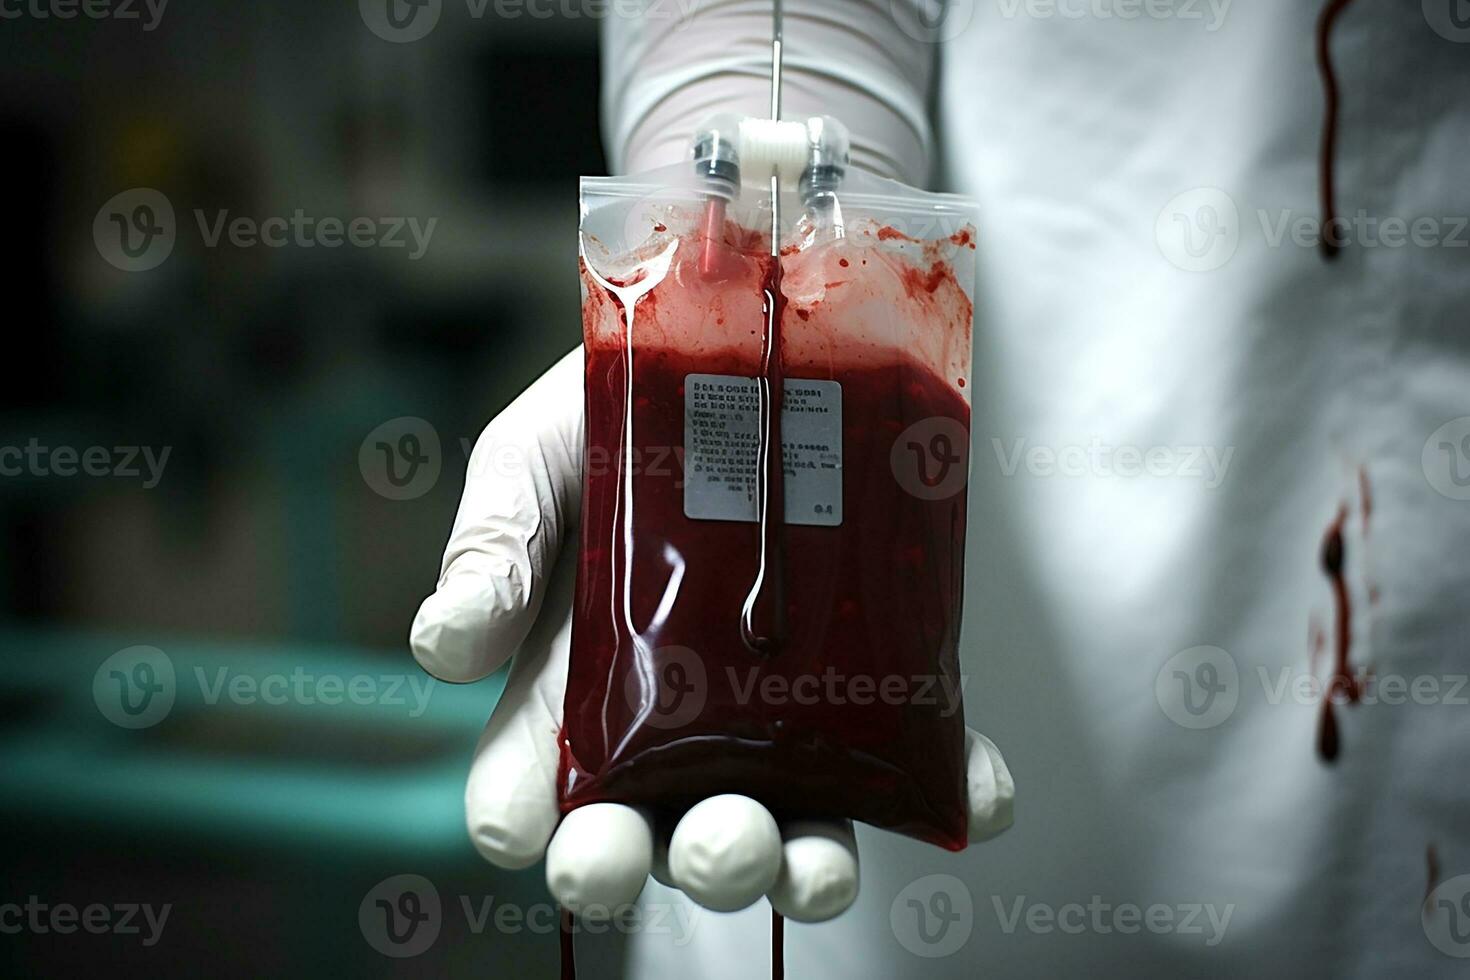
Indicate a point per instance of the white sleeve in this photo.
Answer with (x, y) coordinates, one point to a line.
(667, 65)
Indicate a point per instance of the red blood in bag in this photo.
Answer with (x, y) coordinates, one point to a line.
(856, 712)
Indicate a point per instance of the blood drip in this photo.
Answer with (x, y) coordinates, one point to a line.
(568, 951)
(778, 946)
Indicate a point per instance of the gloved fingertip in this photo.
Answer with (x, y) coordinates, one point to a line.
(439, 653)
(507, 846)
(471, 624)
(599, 859)
(819, 872)
(510, 805)
(725, 852)
(990, 786)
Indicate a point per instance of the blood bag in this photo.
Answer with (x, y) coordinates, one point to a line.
(772, 530)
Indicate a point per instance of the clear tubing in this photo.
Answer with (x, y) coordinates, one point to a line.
(717, 163)
(763, 617)
(775, 117)
(827, 160)
(711, 234)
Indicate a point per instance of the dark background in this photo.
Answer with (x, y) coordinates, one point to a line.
(265, 548)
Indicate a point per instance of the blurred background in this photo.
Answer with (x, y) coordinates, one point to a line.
(274, 267)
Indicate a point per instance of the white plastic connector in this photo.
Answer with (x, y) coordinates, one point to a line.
(768, 145)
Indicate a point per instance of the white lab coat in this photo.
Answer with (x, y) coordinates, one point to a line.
(1264, 390)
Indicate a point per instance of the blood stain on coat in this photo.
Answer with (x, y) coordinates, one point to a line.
(1334, 563)
(1327, 166)
(1344, 684)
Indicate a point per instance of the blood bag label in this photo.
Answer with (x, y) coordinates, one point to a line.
(722, 438)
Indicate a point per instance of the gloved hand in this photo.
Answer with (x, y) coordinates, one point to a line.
(503, 590)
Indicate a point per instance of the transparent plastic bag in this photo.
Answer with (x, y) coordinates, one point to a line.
(807, 659)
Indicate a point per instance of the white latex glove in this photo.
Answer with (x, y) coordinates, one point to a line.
(502, 590)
